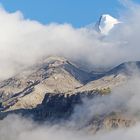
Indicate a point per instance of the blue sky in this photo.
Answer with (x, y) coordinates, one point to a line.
(76, 12)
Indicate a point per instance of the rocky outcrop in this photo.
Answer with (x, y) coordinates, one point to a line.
(60, 106)
(109, 122)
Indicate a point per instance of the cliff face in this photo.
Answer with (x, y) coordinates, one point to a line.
(61, 106)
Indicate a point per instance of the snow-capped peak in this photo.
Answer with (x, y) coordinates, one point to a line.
(106, 23)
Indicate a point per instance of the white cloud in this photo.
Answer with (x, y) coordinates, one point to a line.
(23, 42)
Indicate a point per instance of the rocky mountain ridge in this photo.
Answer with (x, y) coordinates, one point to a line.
(52, 89)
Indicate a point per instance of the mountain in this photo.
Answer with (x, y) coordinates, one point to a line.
(54, 75)
(113, 78)
(57, 75)
(126, 68)
(105, 24)
(52, 88)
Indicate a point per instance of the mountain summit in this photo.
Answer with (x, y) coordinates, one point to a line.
(106, 23)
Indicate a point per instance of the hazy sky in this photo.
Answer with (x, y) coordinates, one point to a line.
(76, 12)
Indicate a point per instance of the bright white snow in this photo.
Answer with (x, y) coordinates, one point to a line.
(106, 23)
